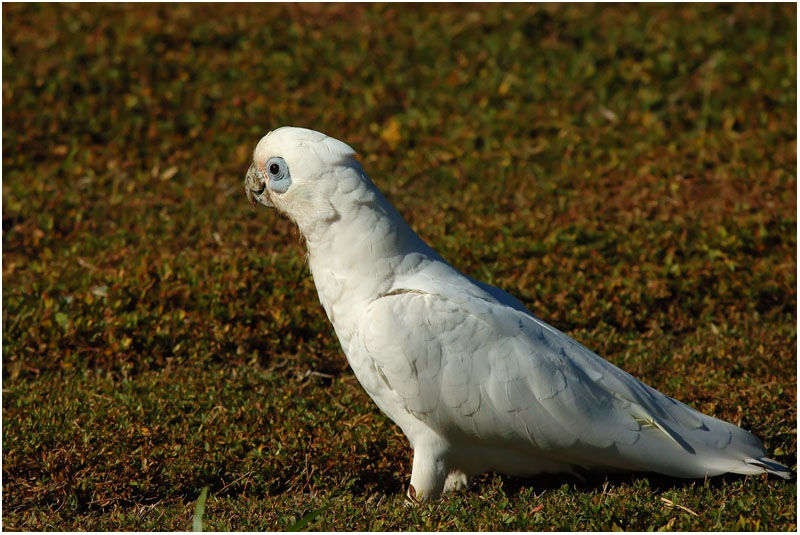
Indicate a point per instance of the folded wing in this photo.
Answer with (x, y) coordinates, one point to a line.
(478, 369)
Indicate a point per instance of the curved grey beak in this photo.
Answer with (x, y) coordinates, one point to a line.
(255, 186)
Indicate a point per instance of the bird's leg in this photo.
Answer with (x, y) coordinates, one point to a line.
(428, 472)
(456, 480)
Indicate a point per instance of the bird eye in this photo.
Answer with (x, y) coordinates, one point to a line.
(279, 178)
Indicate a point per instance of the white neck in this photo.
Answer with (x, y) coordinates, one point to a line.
(360, 252)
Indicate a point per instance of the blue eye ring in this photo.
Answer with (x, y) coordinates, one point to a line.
(279, 177)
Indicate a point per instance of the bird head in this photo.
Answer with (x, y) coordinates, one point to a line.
(299, 172)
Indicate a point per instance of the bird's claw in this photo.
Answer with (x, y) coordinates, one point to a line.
(411, 495)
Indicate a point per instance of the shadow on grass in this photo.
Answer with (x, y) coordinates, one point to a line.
(382, 482)
(591, 481)
(388, 484)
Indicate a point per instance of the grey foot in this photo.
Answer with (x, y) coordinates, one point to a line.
(456, 480)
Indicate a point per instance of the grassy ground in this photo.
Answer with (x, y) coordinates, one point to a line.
(628, 171)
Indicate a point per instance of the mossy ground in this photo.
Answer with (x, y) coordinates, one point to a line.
(629, 172)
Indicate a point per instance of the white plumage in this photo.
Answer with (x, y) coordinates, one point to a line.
(476, 382)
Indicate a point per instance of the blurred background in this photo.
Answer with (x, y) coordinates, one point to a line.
(629, 172)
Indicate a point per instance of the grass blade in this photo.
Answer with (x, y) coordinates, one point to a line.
(199, 510)
(307, 519)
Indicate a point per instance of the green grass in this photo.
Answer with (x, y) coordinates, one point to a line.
(629, 172)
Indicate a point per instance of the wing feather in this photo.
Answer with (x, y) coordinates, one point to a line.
(494, 380)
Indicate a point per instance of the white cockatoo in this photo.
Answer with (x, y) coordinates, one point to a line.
(475, 381)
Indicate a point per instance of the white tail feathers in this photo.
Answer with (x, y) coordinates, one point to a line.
(771, 466)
